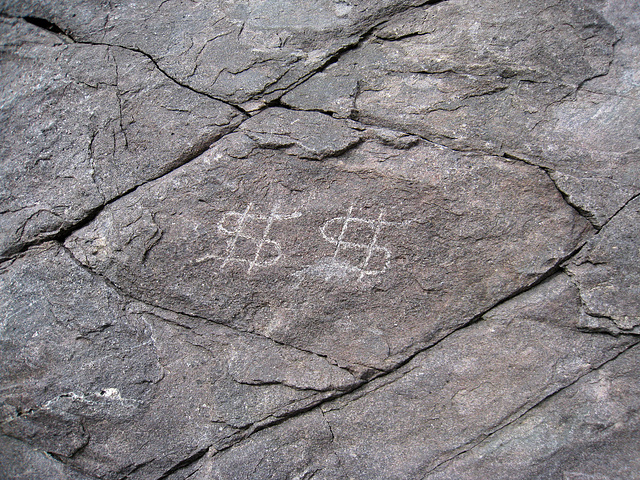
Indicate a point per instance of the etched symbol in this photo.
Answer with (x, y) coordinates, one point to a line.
(248, 240)
(356, 240)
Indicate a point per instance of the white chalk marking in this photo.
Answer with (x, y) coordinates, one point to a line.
(370, 248)
(244, 218)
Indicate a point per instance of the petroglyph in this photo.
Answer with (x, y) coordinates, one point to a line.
(327, 238)
(359, 236)
(258, 250)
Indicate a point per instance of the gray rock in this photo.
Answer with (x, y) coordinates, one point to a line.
(607, 272)
(242, 52)
(307, 135)
(320, 239)
(473, 384)
(364, 258)
(82, 124)
(117, 388)
(72, 360)
(590, 430)
(553, 83)
(19, 461)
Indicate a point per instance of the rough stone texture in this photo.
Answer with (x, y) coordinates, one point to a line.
(555, 83)
(607, 272)
(445, 401)
(83, 124)
(588, 431)
(311, 255)
(346, 239)
(87, 370)
(21, 462)
(239, 51)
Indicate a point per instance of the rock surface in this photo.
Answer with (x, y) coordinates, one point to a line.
(319, 239)
(608, 274)
(477, 381)
(243, 52)
(83, 124)
(553, 83)
(311, 255)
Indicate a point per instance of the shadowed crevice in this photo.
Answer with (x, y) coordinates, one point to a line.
(45, 25)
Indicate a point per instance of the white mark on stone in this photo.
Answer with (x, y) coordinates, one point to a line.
(97, 398)
(369, 248)
(111, 393)
(241, 222)
(342, 8)
(328, 268)
(231, 246)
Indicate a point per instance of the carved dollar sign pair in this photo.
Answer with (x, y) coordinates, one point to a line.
(265, 252)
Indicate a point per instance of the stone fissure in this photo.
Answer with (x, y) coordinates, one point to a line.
(68, 37)
(631, 199)
(267, 423)
(48, 26)
(285, 243)
(66, 231)
(548, 171)
(335, 58)
(510, 156)
(185, 463)
(59, 459)
(475, 443)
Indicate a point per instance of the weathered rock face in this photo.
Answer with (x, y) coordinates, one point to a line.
(608, 274)
(554, 83)
(328, 239)
(83, 124)
(311, 255)
(85, 369)
(589, 430)
(441, 404)
(239, 51)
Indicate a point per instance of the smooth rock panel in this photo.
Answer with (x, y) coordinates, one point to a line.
(362, 258)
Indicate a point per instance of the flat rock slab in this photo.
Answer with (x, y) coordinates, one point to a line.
(242, 52)
(442, 403)
(607, 272)
(136, 389)
(590, 430)
(364, 258)
(319, 239)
